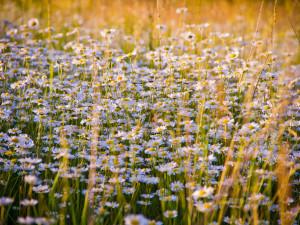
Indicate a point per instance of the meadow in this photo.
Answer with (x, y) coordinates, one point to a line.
(149, 112)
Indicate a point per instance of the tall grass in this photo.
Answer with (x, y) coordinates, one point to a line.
(149, 112)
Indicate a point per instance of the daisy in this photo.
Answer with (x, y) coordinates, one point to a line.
(203, 192)
(26, 220)
(108, 33)
(171, 214)
(153, 222)
(136, 220)
(33, 23)
(4, 201)
(181, 10)
(205, 207)
(27, 202)
(189, 36)
(32, 180)
(176, 186)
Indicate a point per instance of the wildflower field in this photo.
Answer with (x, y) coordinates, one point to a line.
(144, 112)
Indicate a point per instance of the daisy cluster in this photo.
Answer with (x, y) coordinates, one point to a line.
(203, 128)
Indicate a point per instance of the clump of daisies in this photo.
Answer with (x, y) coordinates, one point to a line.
(110, 128)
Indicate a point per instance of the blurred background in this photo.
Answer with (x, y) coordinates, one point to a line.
(279, 18)
(134, 14)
